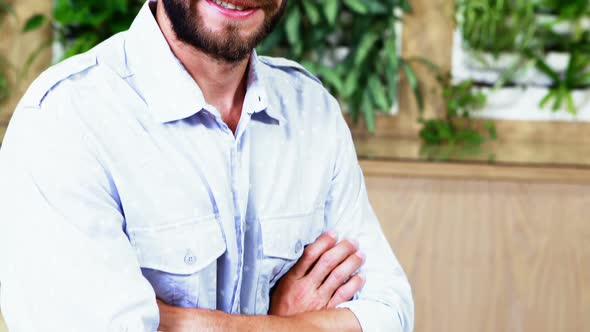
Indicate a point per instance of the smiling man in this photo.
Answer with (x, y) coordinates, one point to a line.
(171, 178)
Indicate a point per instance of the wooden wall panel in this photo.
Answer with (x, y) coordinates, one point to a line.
(490, 256)
(17, 47)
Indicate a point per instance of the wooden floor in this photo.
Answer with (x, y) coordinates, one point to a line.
(490, 256)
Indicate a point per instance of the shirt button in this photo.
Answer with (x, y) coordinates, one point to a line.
(190, 259)
(298, 246)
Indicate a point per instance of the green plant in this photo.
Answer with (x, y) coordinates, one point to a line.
(457, 126)
(576, 75)
(497, 26)
(81, 24)
(351, 45)
(516, 27)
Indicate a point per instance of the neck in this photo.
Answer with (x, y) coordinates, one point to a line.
(223, 84)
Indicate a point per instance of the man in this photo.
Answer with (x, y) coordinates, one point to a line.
(172, 178)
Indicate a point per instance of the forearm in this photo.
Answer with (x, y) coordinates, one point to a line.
(209, 320)
(325, 320)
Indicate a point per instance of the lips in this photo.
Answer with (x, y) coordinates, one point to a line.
(233, 8)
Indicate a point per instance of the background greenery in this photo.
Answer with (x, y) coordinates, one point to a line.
(352, 45)
(81, 24)
(530, 30)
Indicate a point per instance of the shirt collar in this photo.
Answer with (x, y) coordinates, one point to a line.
(168, 89)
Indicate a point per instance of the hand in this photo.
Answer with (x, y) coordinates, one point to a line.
(319, 279)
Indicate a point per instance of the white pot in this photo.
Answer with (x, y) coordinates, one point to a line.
(485, 67)
(563, 27)
(515, 103)
(519, 103)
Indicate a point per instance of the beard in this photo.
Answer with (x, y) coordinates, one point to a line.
(231, 47)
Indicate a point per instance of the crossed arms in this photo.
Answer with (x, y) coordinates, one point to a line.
(304, 300)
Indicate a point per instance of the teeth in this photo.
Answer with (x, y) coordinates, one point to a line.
(228, 5)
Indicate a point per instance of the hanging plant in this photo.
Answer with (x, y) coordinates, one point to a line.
(352, 45)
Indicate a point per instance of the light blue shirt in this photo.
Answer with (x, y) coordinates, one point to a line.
(120, 183)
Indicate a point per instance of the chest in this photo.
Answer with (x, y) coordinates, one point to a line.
(196, 170)
(192, 194)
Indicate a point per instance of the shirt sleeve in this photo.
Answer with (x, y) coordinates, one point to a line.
(385, 303)
(66, 263)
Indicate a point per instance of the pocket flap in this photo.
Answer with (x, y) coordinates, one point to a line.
(180, 249)
(286, 237)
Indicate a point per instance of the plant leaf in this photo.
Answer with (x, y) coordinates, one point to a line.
(34, 23)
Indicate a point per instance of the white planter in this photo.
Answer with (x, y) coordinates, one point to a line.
(563, 28)
(484, 67)
(523, 104)
(515, 103)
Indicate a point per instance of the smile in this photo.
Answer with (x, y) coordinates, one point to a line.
(228, 5)
(232, 9)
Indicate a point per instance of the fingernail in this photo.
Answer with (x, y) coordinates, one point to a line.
(333, 234)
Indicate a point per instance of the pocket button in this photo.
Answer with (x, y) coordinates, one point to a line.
(189, 258)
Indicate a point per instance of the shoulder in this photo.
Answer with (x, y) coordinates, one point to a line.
(77, 69)
(290, 67)
(54, 76)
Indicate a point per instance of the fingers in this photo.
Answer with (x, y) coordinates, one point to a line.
(347, 291)
(330, 260)
(342, 273)
(313, 252)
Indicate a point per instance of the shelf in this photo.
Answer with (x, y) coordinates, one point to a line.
(382, 156)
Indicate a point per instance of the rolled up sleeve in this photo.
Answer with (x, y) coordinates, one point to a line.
(66, 263)
(385, 303)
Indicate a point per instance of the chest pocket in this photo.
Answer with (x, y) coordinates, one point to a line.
(283, 242)
(180, 260)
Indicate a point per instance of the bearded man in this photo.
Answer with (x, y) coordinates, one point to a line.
(172, 179)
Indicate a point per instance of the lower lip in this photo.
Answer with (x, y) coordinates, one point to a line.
(235, 14)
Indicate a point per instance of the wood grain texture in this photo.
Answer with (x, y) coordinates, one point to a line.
(472, 171)
(17, 47)
(490, 256)
(573, 155)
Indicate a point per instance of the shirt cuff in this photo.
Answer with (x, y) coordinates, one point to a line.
(374, 316)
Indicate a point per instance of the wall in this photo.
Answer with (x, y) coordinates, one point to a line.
(490, 255)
